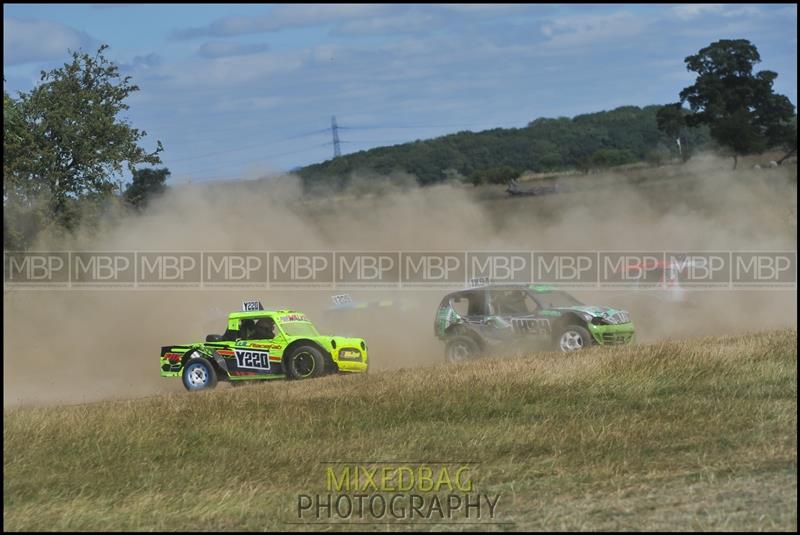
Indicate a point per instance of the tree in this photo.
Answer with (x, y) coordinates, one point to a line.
(75, 142)
(495, 175)
(146, 184)
(790, 142)
(604, 158)
(740, 107)
(671, 121)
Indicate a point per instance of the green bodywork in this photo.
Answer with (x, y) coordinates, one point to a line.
(242, 360)
(608, 326)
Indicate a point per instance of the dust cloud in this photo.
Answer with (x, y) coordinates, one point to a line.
(69, 346)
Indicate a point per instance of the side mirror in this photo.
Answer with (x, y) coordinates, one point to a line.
(214, 338)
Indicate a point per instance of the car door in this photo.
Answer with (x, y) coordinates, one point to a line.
(256, 354)
(517, 310)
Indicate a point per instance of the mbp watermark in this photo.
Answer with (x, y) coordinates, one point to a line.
(226, 269)
(673, 270)
(36, 269)
(433, 269)
(573, 269)
(761, 269)
(642, 270)
(301, 269)
(367, 269)
(397, 492)
(502, 267)
(169, 269)
(697, 269)
(103, 269)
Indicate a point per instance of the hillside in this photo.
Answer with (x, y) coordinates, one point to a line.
(624, 135)
(697, 434)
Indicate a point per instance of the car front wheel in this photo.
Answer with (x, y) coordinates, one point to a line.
(304, 362)
(573, 338)
(461, 349)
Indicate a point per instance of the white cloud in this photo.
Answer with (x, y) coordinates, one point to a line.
(691, 11)
(285, 17)
(231, 72)
(221, 49)
(148, 62)
(581, 31)
(415, 22)
(249, 104)
(26, 41)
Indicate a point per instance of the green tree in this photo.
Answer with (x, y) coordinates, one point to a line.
(146, 184)
(496, 175)
(790, 141)
(740, 107)
(75, 143)
(671, 121)
(612, 157)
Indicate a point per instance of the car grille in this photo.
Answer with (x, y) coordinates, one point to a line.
(616, 338)
(619, 317)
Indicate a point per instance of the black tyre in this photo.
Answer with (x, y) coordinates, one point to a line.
(573, 338)
(461, 348)
(198, 374)
(304, 362)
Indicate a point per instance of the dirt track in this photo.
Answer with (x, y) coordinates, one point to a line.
(70, 346)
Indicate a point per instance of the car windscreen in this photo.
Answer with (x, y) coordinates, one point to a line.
(556, 299)
(299, 328)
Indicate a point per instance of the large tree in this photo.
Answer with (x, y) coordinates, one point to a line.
(670, 120)
(740, 107)
(146, 184)
(71, 144)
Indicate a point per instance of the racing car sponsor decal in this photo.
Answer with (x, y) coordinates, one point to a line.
(173, 357)
(530, 325)
(252, 359)
(266, 346)
(295, 316)
(350, 354)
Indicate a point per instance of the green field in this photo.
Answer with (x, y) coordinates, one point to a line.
(697, 434)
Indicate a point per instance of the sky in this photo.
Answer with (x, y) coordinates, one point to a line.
(241, 91)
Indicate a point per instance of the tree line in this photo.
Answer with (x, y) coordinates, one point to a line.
(625, 135)
(730, 108)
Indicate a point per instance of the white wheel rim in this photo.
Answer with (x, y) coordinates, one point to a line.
(571, 341)
(459, 352)
(197, 375)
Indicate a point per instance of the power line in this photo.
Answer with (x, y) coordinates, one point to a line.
(239, 149)
(336, 142)
(396, 126)
(190, 140)
(337, 150)
(261, 159)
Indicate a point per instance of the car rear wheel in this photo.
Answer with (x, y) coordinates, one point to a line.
(198, 374)
(461, 349)
(573, 338)
(304, 362)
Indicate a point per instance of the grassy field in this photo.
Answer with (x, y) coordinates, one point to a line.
(686, 435)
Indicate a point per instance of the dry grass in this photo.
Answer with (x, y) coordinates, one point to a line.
(689, 435)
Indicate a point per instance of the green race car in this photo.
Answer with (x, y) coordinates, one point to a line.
(471, 322)
(261, 345)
